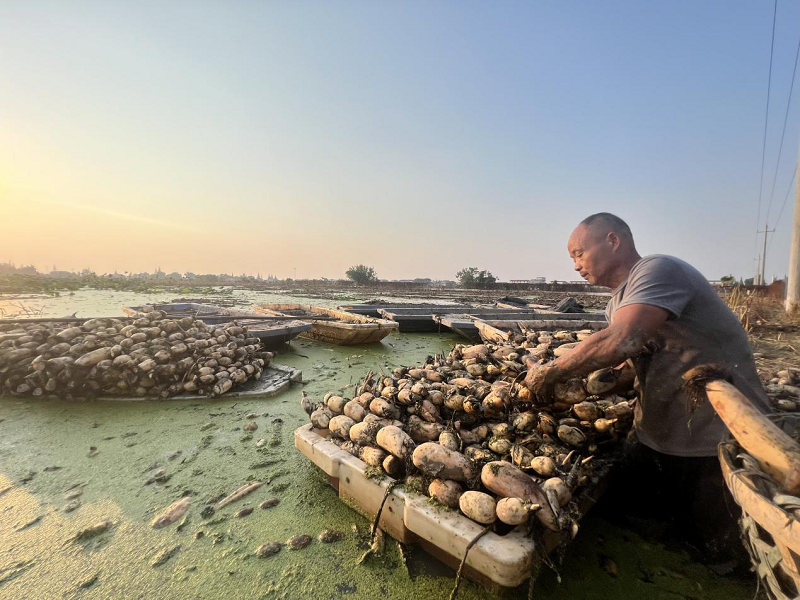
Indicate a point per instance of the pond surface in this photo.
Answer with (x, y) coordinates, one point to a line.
(46, 454)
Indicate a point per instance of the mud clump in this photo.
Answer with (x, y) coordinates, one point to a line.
(330, 536)
(267, 550)
(298, 542)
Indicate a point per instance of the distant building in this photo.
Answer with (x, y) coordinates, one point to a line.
(532, 280)
(579, 282)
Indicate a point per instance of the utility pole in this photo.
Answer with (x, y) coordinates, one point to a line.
(766, 231)
(793, 283)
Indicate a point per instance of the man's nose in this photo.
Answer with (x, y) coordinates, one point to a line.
(577, 266)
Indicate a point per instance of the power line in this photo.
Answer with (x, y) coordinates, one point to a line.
(766, 120)
(783, 134)
(780, 214)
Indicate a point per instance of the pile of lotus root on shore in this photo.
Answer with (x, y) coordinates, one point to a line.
(783, 391)
(464, 429)
(150, 355)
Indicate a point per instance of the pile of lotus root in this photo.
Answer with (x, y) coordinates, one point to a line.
(465, 430)
(151, 355)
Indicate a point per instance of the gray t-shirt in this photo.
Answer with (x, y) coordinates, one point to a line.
(701, 329)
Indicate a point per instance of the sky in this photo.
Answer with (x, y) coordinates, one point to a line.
(415, 137)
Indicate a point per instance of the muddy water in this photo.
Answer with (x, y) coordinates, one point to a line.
(102, 303)
(46, 455)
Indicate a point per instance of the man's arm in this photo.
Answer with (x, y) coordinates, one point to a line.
(623, 339)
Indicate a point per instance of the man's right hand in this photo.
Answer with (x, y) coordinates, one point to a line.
(540, 380)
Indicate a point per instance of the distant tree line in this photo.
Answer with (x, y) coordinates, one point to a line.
(471, 276)
(362, 274)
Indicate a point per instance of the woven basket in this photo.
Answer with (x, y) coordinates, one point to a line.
(770, 520)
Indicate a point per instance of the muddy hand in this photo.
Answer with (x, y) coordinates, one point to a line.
(541, 380)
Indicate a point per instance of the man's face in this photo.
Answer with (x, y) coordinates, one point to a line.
(592, 252)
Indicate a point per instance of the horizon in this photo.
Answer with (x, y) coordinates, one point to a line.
(213, 138)
(271, 277)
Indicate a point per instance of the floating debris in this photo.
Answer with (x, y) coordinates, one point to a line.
(30, 523)
(89, 581)
(93, 531)
(238, 494)
(243, 513)
(251, 426)
(330, 535)
(172, 513)
(266, 550)
(183, 524)
(271, 503)
(73, 494)
(298, 542)
(74, 505)
(159, 475)
(164, 556)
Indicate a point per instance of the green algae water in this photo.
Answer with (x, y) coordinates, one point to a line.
(66, 466)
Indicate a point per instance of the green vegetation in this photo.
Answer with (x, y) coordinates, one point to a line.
(362, 274)
(471, 276)
(36, 284)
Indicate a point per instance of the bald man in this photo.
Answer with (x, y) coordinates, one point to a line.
(664, 319)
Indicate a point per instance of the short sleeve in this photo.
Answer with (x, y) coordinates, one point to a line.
(658, 281)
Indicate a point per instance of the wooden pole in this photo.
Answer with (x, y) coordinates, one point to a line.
(763, 266)
(793, 284)
(776, 452)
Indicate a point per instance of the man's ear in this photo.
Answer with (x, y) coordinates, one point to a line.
(613, 239)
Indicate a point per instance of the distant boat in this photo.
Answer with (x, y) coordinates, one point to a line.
(499, 332)
(371, 310)
(420, 319)
(269, 332)
(464, 323)
(331, 325)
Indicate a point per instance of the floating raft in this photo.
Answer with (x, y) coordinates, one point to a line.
(499, 332)
(495, 561)
(423, 319)
(331, 325)
(275, 379)
(466, 324)
(270, 333)
(372, 310)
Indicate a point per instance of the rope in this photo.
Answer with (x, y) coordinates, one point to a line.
(464, 560)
